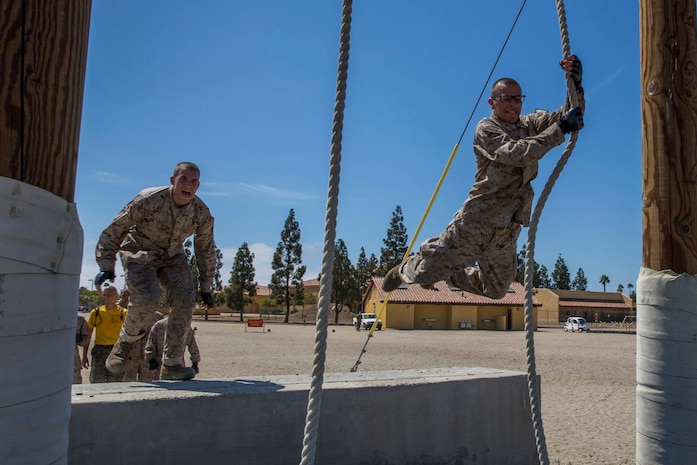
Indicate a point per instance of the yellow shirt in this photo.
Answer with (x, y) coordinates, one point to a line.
(108, 324)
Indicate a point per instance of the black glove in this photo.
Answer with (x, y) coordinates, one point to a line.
(572, 120)
(207, 299)
(103, 276)
(577, 73)
(195, 367)
(153, 365)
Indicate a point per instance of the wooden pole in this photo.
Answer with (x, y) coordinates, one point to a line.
(42, 78)
(43, 54)
(669, 113)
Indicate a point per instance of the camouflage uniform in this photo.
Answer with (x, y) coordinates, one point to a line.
(485, 230)
(149, 234)
(82, 339)
(137, 368)
(156, 342)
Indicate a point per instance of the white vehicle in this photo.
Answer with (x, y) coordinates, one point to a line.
(365, 321)
(576, 323)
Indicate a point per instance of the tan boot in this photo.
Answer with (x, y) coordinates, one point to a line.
(392, 280)
(116, 361)
(177, 372)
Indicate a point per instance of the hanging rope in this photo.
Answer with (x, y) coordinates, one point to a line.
(325, 286)
(533, 384)
(315, 394)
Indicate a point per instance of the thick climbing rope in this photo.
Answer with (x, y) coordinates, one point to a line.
(533, 382)
(325, 285)
(315, 394)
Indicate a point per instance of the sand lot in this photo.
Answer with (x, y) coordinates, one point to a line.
(588, 380)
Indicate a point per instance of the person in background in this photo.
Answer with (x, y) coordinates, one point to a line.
(136, 367)
(477, 250)
(82, 340)
(155, 346)
(149, 234)
(106, 321)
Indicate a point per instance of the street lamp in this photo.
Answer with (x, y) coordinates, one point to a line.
(91, 284)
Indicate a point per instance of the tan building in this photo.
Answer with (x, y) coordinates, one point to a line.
(412, 307)
(264, 292)
(558, 305)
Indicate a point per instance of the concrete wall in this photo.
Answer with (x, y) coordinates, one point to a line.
(439, 416)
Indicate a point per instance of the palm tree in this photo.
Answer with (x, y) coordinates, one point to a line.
(604, 280)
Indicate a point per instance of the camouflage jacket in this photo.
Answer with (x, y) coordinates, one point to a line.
(151, 227)
(155, 345)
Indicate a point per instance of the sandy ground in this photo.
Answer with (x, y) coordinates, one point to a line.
(588, 380)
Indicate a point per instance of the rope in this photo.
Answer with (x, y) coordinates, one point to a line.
(325, 288)
(533, 385)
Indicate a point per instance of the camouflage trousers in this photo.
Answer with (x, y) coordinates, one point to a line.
(98, 371)
(146, 281)
(137, 369)
(472, 256)
(77, 368)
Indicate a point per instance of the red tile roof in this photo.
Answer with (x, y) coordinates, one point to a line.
(443, 294)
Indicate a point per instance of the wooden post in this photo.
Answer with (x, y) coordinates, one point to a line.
(669, 114)
(42, 75)
(42, 78)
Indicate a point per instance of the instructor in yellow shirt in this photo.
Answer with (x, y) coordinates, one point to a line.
(107, 320)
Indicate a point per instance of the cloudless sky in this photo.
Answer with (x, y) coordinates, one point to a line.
(246, 90)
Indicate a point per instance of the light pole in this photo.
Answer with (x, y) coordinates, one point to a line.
(91, 284)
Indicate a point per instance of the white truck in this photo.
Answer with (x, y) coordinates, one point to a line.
(365, 321)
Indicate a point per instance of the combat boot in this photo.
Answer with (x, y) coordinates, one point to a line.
(392, 280)
(116, 361)
(177, 372)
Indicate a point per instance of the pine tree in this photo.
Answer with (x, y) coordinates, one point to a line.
(395, 243)
(242, 284)
(217, 279)
(286, 264)
(560, 275)
(580, 282)
(344, 285)
(365, 270)
(541, 279)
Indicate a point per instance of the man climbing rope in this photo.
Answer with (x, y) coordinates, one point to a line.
(477, 250)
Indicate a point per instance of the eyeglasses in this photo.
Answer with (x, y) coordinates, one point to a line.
(510, 98)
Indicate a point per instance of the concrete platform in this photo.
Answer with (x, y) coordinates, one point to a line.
(439, 416)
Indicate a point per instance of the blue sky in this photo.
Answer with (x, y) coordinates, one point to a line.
(246, 90)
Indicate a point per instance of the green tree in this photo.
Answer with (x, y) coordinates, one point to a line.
(217, 279)
(580, 282)
(541, 279)
(620, 288)
(288, 271)
(89, 299)
(560, 275)
(365, 270)
(604, 280)
(632, 294)
(395, 243)
(538, 280)
(242, 284)
(344, 284)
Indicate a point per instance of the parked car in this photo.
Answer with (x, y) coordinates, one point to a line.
(365, 321)
(576, 323)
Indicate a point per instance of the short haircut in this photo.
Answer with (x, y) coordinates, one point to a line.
(503, 82)
(184, 166)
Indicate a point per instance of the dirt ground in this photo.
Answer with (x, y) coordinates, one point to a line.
(588, 379)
